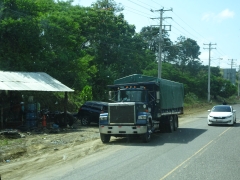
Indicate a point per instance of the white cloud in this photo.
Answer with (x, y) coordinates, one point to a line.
(225, 14)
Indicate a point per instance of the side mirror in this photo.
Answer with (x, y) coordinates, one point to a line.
(110, 95)
(209, 110)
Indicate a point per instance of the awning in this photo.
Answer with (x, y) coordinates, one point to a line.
(30, 81)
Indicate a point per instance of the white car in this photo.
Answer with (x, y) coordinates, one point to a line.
(222, 114)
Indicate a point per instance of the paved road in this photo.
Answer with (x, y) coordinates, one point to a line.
(195, 151)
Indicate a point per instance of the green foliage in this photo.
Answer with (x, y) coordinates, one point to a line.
(190, 98)
(86, 94)
(227, 89)
(4, 142)
(87, 48)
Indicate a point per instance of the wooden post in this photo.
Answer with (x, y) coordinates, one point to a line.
(65, 106)
(65, 102)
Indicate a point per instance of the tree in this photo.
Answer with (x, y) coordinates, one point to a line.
(228, 90)
(116, 48)
(19, 35)
(150, 36)
(187, 58)
(45, 36)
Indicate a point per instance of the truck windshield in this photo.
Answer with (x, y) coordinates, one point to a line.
(132, 95)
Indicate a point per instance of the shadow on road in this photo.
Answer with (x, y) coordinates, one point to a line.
(182, 135)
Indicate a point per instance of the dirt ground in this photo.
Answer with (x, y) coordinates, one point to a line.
(23, 153)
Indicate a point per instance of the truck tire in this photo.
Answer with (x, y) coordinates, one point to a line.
(170, 124)
(147, 136)
(85, 121)
(175, 123)
(105, 138)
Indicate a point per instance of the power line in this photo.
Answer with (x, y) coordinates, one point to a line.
(139, 5)
(157, 3)
(181, 32)
(146, 4)
(188, 25)
(136, 12)
(183, 28)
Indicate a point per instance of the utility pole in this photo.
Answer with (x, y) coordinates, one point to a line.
(160, 39)
(231, 77)
(209, 71)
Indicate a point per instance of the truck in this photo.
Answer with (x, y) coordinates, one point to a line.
(141, 105)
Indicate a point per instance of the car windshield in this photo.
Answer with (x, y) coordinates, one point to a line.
(221, 109)
(132, 95)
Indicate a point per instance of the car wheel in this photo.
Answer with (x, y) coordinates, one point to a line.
(85, 121)
(105, 138)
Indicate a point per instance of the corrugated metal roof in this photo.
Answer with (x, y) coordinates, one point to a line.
(30, 81)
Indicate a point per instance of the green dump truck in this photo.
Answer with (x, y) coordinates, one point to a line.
(141, 105)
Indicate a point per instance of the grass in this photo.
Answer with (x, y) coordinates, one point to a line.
(193, 104)
(4, 142)
(9, 141)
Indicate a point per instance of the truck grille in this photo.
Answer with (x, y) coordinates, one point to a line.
(122, 113)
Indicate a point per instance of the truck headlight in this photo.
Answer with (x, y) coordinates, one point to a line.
(142, 117)
(103, 118)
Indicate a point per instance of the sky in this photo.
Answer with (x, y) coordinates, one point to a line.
(215, 22)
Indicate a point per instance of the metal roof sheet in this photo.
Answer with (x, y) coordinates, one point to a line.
(30, 81)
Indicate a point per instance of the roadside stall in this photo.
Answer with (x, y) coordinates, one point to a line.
(15, 110)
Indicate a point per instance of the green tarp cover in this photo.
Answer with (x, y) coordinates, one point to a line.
(135, 78)
(171, 93)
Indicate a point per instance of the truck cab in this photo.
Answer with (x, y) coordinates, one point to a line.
(129, 114)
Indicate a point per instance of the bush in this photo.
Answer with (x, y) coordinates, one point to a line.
(190, 98)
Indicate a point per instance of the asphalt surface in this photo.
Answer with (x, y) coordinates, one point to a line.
(194, 151)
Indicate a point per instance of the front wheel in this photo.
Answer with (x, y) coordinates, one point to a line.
(105, 138)
(147, 136)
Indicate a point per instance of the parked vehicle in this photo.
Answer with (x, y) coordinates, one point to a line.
(222, 114)
(142, 105)
(90, 111)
